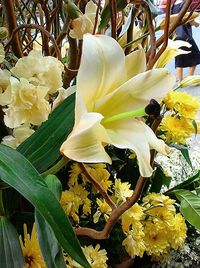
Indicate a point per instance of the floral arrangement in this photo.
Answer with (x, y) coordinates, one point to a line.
(90, 120)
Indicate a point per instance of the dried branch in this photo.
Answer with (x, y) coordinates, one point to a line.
(113, 17)
(12, 24)
(41, 29)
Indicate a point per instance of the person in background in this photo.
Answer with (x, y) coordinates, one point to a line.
(184, 32)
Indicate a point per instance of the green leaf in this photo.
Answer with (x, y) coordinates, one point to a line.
(190, 206)
(51, 250)
(10, 249)
(17, 171)
(184, 151)
(194, 123)
(42, 149)
(159, 179)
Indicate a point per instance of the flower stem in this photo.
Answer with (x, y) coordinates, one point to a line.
(135, 113)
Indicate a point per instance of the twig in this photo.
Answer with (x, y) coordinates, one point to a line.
(97, 16)
(98, 186)
(39, 27)
(113, 17)
(152, 60)
(12, 24)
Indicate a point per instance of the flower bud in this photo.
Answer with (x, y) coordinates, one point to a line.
(191, 80)
(3, 33)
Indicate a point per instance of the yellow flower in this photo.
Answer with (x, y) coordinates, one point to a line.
(109, 84)
(178, 232)
(103, 208)
(191, 80)
(20, 134)
(134, 243)
(182, 102)
(72, 199)
(84, 23)
(96, 257)
(121, 191)
(40, 70)
(131, 217)
(5, 91)
(28, 104)
(100, 174)
(31, 250)
(173, 49)
(137, 32)
(97, 171)
(176, 129)
(156, 199)
(155, 240)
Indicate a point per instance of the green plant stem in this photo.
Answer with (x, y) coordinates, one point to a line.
(54, 169)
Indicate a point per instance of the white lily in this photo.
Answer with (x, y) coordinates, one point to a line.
(109, 84)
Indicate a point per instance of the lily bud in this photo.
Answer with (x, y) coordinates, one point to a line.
(191, 80)
(72, 10)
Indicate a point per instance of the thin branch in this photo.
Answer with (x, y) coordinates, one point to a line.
(152, 60)
(98, 186)
(40, 28)
(113, 17)
(12, 24)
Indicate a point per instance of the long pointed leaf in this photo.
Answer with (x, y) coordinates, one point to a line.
(42, 148)
(17, 171)
(10, 250)
(51, 250)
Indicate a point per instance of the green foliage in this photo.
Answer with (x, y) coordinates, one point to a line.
(158, 180)
(17, 171)
(42, 148)
(10, 250)
(184, 151)
(190, 206)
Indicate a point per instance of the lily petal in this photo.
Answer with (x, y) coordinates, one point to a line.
(132, 68)
(85, 143)
(101, 70)
(136, 92)
(135, 135)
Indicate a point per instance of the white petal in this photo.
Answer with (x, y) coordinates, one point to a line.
(102, 68)
(136, 92)
(85, 143)
(135, 62)
(131, 134)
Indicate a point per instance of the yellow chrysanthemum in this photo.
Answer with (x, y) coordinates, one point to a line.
(97, 171)
(121, 191)
(134, 244)
(72, 199)
(156, 242)
(176, 129)
(100, 174)
(31, 250)
(178, 232)
(95, 256)
(103, 208)
(184, 103)
(132, 217)
(156, 199)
